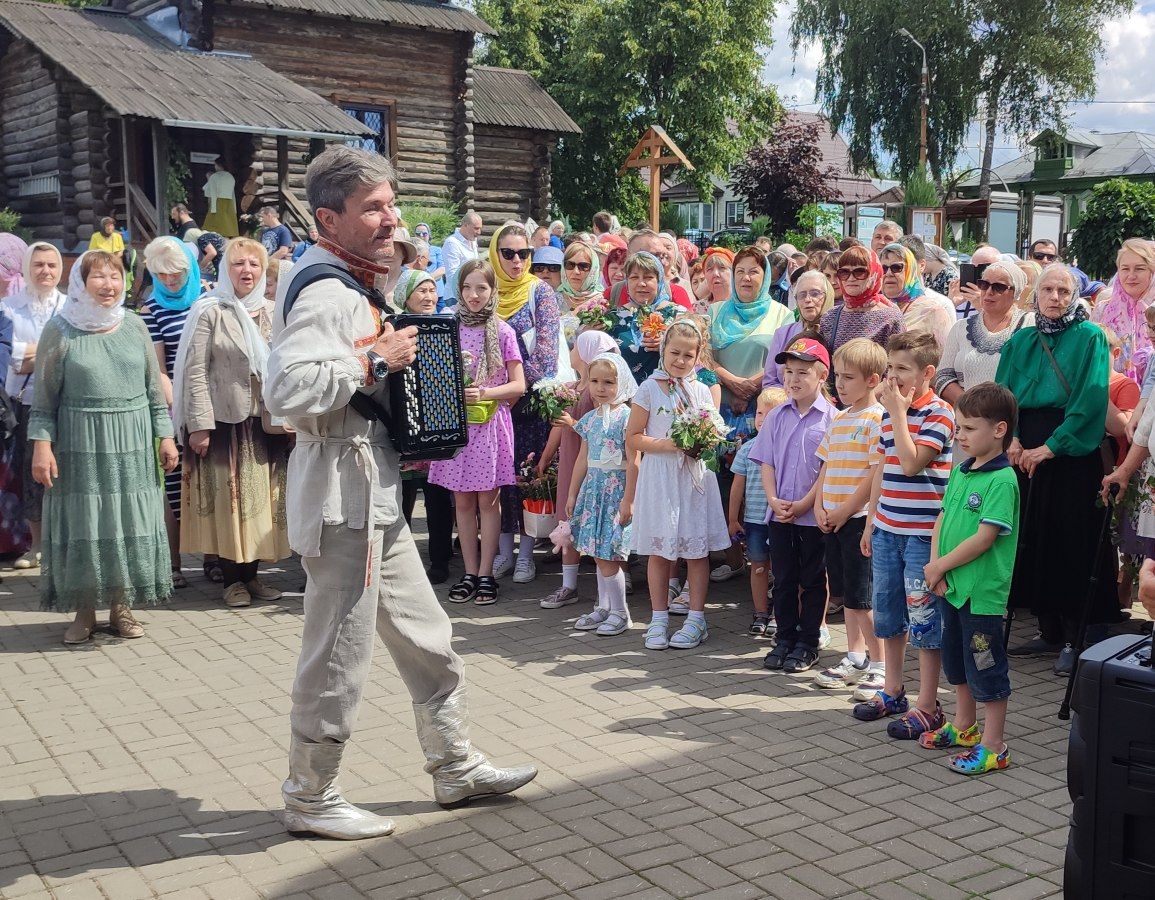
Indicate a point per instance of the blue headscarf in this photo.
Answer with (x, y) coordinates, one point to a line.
(185, 296)
(663, 295)
(735, 321)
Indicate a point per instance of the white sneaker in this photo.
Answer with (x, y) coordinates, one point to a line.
(680, 605)
(502, 566)
(842, 675)
(30, 560)
(591, 621)
(823, 636)
(615, 624)
(724, 573)
(563, 596)
(872, 681)
(525, 571)
(656, 636)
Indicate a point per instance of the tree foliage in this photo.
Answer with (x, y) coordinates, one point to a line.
(1019, 63)
(779, 177)
(619, 66)
(1118, 209)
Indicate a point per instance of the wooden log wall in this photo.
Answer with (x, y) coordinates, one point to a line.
(364, 63)
(510, 163)
(465, 147)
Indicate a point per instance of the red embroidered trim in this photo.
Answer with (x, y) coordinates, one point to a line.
(363, 270)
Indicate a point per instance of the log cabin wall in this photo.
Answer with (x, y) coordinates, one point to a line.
(513, 174)
(418, 73)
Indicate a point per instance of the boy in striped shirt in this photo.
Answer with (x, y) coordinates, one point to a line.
(848, 464)
(905, 500)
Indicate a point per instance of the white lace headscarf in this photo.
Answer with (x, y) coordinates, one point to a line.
(82, 311)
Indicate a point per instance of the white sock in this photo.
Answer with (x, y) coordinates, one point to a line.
(505, 546)
(525, 548)
(660, 617)
(615, 587)
(603, 594)
(569, 577)
(876, 666)
(697, 616)
(858, 658)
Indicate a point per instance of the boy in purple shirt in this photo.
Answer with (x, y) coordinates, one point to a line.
(787, 449)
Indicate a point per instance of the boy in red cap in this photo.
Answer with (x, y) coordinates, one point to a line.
(787, 449)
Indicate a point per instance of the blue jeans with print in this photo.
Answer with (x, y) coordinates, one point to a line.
(902, 602)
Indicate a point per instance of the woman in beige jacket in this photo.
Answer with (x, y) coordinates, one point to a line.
(233, 492)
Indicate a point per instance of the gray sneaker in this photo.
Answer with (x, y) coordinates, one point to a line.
(563, 596)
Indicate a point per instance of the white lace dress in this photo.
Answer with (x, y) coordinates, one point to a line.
(677, 507)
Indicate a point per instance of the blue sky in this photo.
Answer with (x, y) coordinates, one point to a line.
(1126, 73)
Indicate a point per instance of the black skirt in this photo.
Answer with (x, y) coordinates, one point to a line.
(1060, 524)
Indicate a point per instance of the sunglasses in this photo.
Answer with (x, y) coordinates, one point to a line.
(1044, 257)
(538, 268)
(572, 264)
(896, 268)
(814, 294)
(993, 286)
(858, 272)
(509, 254)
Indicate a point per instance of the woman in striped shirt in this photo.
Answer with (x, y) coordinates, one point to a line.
(176, 286)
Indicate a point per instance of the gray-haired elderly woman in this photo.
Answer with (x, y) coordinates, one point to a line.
(940, 269)
(345, 518)
(971, 354)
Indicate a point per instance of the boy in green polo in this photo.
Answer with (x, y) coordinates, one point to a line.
(971, 560)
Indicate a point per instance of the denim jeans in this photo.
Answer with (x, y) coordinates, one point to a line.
(973, 652)
(902, 602)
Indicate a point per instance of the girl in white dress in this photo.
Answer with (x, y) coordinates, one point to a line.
(677, 509)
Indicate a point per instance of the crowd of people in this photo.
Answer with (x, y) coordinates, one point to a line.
(914, 450)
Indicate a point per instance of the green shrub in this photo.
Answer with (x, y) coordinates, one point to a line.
(1118, 209)
(441, 217)
(760, 227)
(732, 241)
(10, 222)
(673, 219)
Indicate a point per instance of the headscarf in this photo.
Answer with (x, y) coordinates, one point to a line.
(1124, 314)
(1087, 287)
(616, 257)
(682, 398)
(724, 252)
(31, 294)
(512, 293)
(1075, 311)
(491, 359)
(689, 250)
(592, 344)
(608, 242)
(12, 250)
(873, 292)
(662, 297)
(1017, 276)
(593, 279)
(82, 311)
(912, 286)
(680, 265)
(190, 289)
(410, 281)
(257, 351)
(627, 384)
(734, 320)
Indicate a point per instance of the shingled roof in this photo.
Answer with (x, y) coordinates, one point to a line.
(138, 73)
(431, 14)
(513, 98)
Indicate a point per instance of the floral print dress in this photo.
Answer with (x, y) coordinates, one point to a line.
(596, 531)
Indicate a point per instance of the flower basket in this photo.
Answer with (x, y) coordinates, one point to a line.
(538, 524)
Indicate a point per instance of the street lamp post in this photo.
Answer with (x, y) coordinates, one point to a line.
(924, 91)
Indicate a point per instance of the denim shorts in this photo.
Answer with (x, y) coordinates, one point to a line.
(902, 602)
(973, 653)
(846, 567)
(757, 541)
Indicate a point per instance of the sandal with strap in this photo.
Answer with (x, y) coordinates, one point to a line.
(464, 590)
(950, 736)
(486, 591)
(178, 579)
(122, 619)
(213, 571)
(916, 722)
(690, 635)
(800, 659)
(776, 658)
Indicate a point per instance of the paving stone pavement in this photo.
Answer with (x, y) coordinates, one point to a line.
(151, 768)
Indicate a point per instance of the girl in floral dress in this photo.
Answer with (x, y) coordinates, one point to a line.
(603, 470)
(477, 474)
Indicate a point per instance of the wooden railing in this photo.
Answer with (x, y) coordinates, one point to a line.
(142, 217)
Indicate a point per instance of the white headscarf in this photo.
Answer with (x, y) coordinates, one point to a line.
(627, 384)
(81, 311)
(225, 295)
(30, 295)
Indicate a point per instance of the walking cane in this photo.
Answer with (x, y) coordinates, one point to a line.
(1081, 633)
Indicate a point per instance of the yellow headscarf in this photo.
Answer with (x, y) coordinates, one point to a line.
(512, 293)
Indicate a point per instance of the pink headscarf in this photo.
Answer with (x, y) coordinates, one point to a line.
(1123, 314)
(12, 250)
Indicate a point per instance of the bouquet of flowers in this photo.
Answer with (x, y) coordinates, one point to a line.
(651, 325)
(701, 434)
(467, 367)
(594, 313)
(551, 397)
(539, 517)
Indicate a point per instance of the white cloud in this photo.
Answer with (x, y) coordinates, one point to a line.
(1126, 72)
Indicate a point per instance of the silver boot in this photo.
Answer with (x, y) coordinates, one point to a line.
(313, 803)
(460, 773)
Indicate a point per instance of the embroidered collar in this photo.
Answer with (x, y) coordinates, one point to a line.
(992, 465)
(364, 271)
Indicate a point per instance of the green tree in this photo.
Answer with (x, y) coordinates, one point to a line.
(1118, 209)
(619, 66)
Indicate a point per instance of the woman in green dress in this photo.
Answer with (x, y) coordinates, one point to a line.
(97, 416)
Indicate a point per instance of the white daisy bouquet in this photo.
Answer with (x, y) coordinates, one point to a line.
(701, 434)
(551, 397)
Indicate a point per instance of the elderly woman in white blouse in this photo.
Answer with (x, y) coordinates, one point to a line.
(973, 345)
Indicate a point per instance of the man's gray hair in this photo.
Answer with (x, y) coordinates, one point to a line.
(889, 225)
(470, 216)
(335, 174)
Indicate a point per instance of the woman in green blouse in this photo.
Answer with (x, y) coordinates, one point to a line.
(1058, 371)
(101, 434)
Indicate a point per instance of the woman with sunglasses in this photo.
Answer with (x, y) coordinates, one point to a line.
(530, 307)
(972, 350)
(581, 275)
(1132, 291)
(864, 311)
(902, 284)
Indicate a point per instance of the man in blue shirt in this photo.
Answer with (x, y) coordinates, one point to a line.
(277, 238)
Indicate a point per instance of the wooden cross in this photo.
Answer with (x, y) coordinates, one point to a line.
(647, 154)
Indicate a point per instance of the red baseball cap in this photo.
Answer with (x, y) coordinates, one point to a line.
(807, 350)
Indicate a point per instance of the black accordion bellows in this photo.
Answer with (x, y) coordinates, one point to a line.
(427, 418)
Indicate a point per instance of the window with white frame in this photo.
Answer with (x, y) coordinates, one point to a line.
(698, 215)
(735, 213)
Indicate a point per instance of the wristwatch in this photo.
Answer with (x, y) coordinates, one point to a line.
(378, 368)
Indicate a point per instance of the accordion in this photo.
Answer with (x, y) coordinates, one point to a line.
(427, 418)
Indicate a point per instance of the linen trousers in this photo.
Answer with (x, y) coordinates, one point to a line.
(341, 615)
